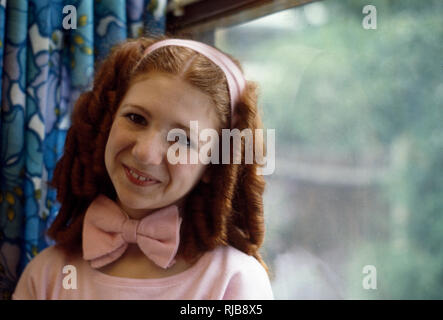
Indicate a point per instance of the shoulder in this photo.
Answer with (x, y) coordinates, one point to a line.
(237, 260)
(40, 273)
(248, 279)
(53, 253)
(48, 259)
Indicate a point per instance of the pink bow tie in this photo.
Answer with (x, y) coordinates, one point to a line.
(107, 232)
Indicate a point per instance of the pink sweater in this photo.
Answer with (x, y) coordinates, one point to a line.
(224, 273)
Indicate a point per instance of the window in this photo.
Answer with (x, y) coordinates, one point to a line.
(354, 207)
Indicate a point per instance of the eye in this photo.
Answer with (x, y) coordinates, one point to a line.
(136, 118)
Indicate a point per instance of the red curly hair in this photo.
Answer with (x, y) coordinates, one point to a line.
(211, 217)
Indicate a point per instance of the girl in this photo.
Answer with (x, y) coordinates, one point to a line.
(135, 225)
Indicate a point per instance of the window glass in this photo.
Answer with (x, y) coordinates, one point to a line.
(354, 208)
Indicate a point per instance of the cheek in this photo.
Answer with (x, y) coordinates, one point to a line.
(186, 174)
(121, 135)
(108, 154)
(116, 141)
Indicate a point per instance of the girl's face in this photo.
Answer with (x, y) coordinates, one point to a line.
(136, 150)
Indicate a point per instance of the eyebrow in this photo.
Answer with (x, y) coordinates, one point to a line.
(143, 109)
(146, 111)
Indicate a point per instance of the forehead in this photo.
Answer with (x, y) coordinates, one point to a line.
(170, 98)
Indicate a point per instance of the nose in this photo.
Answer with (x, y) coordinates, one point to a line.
(150, 147)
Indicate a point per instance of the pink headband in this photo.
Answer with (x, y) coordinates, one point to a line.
(234, 76)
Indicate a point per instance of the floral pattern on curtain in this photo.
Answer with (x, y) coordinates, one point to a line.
(43, 69)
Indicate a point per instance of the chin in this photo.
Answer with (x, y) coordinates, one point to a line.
(138, 202)
(131, 200)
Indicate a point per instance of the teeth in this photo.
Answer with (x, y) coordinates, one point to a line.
(137, 176)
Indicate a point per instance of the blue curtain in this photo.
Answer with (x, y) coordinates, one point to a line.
(44, 66)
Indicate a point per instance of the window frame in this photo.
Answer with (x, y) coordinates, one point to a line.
(201, 18)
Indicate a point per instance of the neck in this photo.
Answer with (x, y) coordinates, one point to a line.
(134, 264)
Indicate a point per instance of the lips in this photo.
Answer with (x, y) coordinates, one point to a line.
(139, 178)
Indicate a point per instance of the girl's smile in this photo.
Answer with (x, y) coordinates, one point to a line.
(138, 178)
(136, 150)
